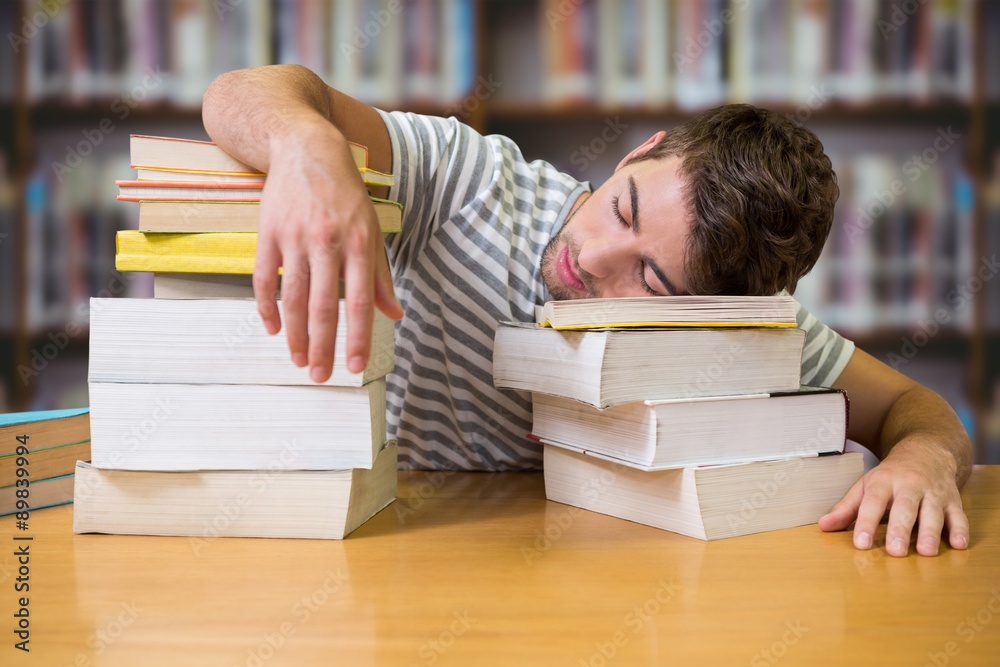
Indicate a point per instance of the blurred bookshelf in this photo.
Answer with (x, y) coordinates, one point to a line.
(905, 97)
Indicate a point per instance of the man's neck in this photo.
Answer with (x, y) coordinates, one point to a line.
(579, 201)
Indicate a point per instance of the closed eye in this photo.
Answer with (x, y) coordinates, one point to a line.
(618, 213)
(642, 280)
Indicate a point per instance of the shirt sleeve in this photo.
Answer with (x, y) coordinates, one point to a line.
(826, 352)
(440, 165)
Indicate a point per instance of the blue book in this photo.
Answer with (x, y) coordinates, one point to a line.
(12, 418)
(44, 493)
(43, 429)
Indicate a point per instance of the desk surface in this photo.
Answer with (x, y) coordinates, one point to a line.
(479, 569)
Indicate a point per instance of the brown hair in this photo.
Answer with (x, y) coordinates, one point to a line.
(762, 192)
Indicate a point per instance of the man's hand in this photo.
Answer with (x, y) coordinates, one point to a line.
(316, 222)
(318, 225)
(926, 458)
(917, 484)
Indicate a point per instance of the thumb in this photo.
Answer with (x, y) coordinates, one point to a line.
(845, 511)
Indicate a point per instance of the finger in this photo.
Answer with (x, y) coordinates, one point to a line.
(903, 515)
(324, 309)
(929, 533)
(845, 511)
(870, 514)
(359, 287)
(265, 282)
(958, 526)
(294, 305)
(385, 292)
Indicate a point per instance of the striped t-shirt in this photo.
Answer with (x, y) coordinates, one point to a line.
(476, 218)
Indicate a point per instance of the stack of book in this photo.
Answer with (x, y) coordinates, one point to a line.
(682, 413)
(38, 455)
(201, 424)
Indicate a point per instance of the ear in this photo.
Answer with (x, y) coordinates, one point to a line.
(640, 150)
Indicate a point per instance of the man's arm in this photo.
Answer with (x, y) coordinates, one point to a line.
(926, 458)
(316, 220)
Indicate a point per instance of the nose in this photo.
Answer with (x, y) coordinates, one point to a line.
(604, 256)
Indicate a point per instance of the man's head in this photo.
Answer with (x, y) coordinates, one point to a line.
(738, 200)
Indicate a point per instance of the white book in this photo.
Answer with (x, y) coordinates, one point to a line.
(212, 341)
(699, 431)
(235, 427)
(318, 504)
(710, 502)
(613, 366)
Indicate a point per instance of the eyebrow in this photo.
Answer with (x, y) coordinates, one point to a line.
(657, 271)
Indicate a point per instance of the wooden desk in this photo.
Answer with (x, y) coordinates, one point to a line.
(478, 569)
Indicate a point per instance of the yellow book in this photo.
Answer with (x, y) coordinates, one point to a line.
(220, 252)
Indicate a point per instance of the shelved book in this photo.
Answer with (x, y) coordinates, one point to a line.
(608, 367)
(218, 341)
(45, 445)
(164, 426)
(669, 311)
(708, 502)
(190, 160)
(315, 504)
(674, 433)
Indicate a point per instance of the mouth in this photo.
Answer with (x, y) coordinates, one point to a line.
(567, 272)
